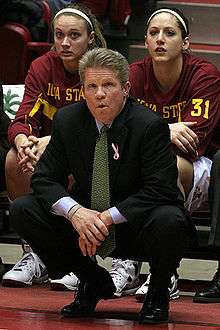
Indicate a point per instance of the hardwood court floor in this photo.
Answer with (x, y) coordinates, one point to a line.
(22, 320)
(37, 308)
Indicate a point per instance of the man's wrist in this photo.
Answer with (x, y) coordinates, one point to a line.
(105, 216)
(72, 211)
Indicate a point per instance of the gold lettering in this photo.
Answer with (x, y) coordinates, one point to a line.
(141, 101)
(57, 92)
(75, 91)
(197, 107)
(81, 94)
(166, 112)
(200, 109)
(49, 89)
(69, 95)
(174, 109)
(153, 107)
(52, 90)
(206, 114)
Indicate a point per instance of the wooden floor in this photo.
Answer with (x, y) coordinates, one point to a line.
(38, 308)
(25, 320)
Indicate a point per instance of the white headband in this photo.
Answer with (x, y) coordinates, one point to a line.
(170, 11)
(74, 11)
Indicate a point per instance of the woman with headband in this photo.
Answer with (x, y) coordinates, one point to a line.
(52, 82)
(185, 91)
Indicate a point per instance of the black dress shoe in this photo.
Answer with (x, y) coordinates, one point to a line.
(86, 299)
(210, 294)
(156, 307)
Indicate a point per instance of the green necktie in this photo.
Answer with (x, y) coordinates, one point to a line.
(100, 197)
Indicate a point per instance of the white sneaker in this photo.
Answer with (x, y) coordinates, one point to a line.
(67, 282)
(125, 275)
(142, 291)
(28, 270)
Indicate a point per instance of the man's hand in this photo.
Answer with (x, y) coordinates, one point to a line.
(183, 137)
(91, 229)
(106, 218)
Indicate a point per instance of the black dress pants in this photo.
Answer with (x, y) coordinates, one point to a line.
(214, 202)
(161, 241)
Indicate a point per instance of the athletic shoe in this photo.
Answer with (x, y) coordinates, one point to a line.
(142, 291)
(125, 275)
(67, 282)
(28, 270)
(2, 268)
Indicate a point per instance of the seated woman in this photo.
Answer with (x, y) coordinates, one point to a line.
(185, 91)
(4, 145)
(52, 82)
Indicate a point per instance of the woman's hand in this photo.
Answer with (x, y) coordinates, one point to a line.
(30, 151)
(38, 145)
(20, 140)
(183, 136)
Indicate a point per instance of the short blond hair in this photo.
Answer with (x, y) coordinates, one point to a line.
(107, 59)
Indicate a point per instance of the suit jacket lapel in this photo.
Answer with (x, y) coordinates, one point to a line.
(87, 136)
(117, 139)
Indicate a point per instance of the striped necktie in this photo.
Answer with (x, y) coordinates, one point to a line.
(100, 196)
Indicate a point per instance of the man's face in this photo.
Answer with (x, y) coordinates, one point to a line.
(104, 94)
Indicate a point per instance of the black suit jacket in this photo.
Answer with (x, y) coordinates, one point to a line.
(143, 177)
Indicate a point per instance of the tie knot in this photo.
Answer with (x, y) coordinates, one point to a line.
(104, 129)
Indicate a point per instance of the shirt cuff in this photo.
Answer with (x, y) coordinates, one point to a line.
(62, 206)
(117, 217)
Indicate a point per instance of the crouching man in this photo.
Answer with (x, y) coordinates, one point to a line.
(125, 201)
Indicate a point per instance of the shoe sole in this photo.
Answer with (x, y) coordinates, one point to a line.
(153, 322)
(83, 315)
(18, 284)
(129, 292)
(15, 284)
(61, 287)
(206, 300)
(42, 279)
(141, 297)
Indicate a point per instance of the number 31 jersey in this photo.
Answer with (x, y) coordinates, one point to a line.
(194, 98)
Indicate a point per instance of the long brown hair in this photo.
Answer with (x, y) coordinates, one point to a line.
(99, 40)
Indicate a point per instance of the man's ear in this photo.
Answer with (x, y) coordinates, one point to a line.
(126, 88)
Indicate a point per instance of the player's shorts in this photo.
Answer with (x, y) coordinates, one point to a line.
(198, 196)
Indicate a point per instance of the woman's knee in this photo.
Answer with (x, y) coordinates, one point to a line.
(186, 174)
(17, 182)
(11, 162)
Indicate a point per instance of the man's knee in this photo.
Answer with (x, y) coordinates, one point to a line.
(216, 158)
(18, 208)
(168, 215)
